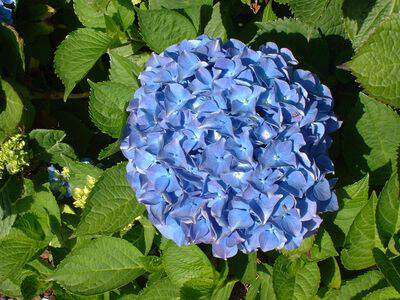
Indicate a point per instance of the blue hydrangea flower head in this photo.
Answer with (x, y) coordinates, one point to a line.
(6, 11)
(228, 146)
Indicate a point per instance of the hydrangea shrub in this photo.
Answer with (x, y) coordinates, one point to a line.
(229, 146)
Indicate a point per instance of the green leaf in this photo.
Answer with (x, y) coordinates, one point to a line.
(216, 26)
(372, 138)
(17, 111)
(244, 266)
(125, 12)
(162, 28)
(44, 206)
(330, 273)
(197, 289)
(352, 199)
(388, 210)
(111, 204)
(323, 246)
(362, 238)
(360, 286)
(376, 62)
(297, 279)
(32, 286)
(262, 287)
(185, 263)
(29, 224)
(79, 172)
(224, 293)
(163, 289)
(268, 13)
(107, 104)
(141, 235)
(177, 4)
(98, 266)
(50, 146)
(149, 233)
(324, 14)
(9, 193)
(16, 249)
(109, 150)
(77, 54)
(361, 18)
(122, 70)
(389, 267)
(11, 50)
(387, 293)
(91, 12)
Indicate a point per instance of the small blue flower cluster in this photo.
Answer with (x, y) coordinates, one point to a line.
(229, 146)
(59, 181)
(6, 11)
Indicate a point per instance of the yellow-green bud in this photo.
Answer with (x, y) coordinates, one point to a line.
(13, 157)
(81, 195)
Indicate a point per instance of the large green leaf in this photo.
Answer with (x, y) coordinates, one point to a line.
(44, 206)
(49, 145)
(17, 111)
(111, 204)
(371, 140)
(163, 289)
(107, 104)
(324, 14)
(224, 292)
(360, 286)
(9, 193)
(216, 26)
(389, 267)
(79, 171)
(262, 287)
(91, 12)
(126, 70)
(177, 4)
(362, 238)
(352, 199)
(11, 50)
(323, 246)
(376, 63)
(330, 273)
(386, 293)
(361, 18)
(388, 210)
(77, 54)
(162, 28)
(295, 279)
(98, 266)
(16, 249)
(187, 263)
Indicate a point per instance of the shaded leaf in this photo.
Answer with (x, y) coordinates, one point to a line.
(388, 210)
(389, 267)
